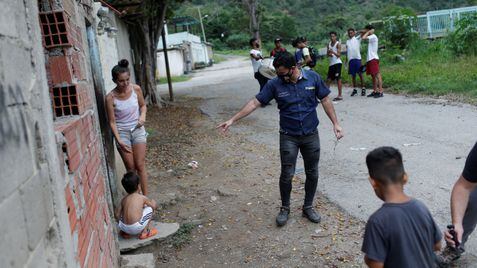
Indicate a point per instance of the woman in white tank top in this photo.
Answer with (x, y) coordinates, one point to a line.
(127, 114)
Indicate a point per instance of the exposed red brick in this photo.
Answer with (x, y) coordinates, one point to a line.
(55, 29)
(65, 100)
(77, 64)
(60, 70)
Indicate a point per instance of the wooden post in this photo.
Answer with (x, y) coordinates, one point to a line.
(166, 59)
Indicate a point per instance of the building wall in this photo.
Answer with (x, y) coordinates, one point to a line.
(112, 48)
(77, 100)
(35, 228)
(176, 63)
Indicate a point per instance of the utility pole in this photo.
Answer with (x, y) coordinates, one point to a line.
(201, 24)
(166, 59)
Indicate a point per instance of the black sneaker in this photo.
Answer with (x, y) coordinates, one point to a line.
(355, 92)
(378, 95)
(450, 254)
(282, 217)
(372, 94)
(311, 214)
(363, 92)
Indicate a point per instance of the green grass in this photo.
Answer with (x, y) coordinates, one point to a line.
(175, 79)
(235, 52)
(428, 69)
(183, 235)
(217, 58)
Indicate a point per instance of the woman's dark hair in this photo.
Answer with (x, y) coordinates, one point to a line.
(333, 32)
(130, 182)
(122, 67)
(351, 29)
(252, 40)
(285, 59)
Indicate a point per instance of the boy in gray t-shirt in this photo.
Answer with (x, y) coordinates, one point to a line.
(402, 232)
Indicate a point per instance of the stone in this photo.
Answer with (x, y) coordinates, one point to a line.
(225, 192)
(164, 230)
(145, 260)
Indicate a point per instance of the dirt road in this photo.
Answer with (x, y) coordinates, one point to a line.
(434, 136)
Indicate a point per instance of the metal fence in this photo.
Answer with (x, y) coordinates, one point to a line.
(438, 23)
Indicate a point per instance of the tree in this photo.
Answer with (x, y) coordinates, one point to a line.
(145, 31)
(253, 10)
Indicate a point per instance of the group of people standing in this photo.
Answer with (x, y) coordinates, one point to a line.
(305, 57)
(402, 233)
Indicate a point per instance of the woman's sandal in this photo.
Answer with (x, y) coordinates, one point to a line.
(149, 233)
(338, 99)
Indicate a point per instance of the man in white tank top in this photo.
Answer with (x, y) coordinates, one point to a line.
(334, 71)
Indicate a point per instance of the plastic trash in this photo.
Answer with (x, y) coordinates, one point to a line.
(193, 164)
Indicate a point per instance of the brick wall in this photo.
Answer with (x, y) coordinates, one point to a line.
(80, 153)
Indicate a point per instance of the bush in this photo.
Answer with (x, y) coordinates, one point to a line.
(238, 41)
(398, 31)
(463, 40)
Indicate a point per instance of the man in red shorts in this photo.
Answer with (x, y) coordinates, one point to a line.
(372, 63)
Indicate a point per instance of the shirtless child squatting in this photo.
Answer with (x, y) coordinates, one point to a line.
(136, 210)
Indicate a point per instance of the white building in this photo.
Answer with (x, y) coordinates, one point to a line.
(186, 52)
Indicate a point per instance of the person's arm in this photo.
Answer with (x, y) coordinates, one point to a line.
(459, 200)
(372, 263)
(118, 211)
(256, 56)
(437, 246)
(150, 202)
(330, 112)
(368, 33)
(251, 106)
(112, 123)
(142, 106)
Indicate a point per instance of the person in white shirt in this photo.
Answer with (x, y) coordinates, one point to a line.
(372, 62)
(334, 70)
(353, 52)
(256, 58)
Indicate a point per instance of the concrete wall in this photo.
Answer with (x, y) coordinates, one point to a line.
(112, 48)
(176, 63)
(35, 228)
(77, 98)
(123, 44)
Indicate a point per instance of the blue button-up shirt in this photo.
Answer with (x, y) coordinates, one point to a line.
(296, 102)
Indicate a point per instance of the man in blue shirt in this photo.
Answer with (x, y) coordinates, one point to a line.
(297, 93)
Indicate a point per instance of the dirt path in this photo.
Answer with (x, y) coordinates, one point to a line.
(227, 206)
(229, 203)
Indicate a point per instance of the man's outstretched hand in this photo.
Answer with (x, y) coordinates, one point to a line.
(338, 131)
(224, 127)
(459, 230)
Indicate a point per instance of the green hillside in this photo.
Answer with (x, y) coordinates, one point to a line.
(227, 23)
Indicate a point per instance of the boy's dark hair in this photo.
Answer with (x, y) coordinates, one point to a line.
(252, 40)
(351, 29)
(285, 59)
(130, 182)
(385, 165)
(333, 32)
(294, 42)
(122, 67)
(369, 27)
